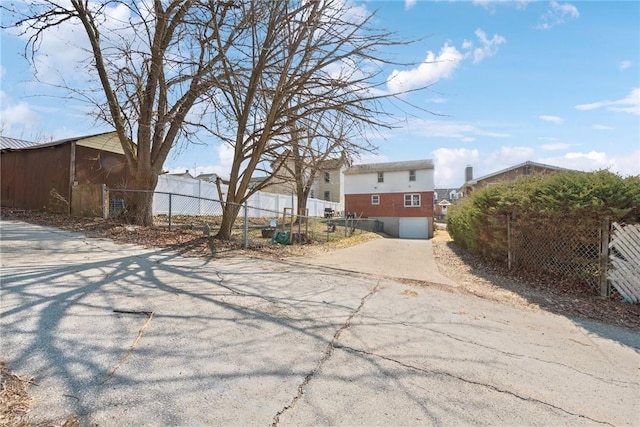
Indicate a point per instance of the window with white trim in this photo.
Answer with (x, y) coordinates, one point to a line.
(375, 199)
(411, 200)
(380, 176)
(412, 175)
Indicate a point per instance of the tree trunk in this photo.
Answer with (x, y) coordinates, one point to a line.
(140, 202)
(230, 213)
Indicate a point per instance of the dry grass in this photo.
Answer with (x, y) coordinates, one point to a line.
(14, 399)
(15, 402)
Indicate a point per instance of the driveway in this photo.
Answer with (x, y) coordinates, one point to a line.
(120, 335)
(391, 258)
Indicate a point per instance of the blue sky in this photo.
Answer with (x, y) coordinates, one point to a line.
(551, 82)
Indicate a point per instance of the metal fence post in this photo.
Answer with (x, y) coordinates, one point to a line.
(604, 257)
(246, 225)
(169, 211)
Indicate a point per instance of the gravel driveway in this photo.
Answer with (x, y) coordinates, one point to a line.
(119, 335)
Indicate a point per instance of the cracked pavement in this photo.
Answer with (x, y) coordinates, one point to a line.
(120, 335)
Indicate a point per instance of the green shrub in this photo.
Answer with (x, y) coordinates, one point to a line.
(571, 199)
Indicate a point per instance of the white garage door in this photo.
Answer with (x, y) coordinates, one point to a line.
(414, 228)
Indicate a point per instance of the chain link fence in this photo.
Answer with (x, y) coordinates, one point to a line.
(253, 223)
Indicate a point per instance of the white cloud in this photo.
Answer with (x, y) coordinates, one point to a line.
(555, 147)
(488, 48)
(490, 4)
(624, 65)
(509, 156)
(629, 104)
(450, 164)
(17, 117)
(433, 68)
(223, 155)
(625, 164)
(3, 71)
(437, 100)
(63, 56)
(557, 14)
(463, 131)
(602, 127)
(551, 119)
(441, 66)
(408, 4)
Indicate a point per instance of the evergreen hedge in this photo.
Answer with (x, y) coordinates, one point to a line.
(564, 200)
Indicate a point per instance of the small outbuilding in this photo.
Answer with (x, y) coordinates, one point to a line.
(65, 176)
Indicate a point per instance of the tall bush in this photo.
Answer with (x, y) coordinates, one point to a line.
(571, 200)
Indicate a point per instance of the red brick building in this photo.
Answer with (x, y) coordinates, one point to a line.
(399, 194)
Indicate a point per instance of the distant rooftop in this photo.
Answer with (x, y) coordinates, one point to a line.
(527, 163)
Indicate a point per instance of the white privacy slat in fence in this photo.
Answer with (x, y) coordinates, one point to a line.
(625, 272)
(625, 243)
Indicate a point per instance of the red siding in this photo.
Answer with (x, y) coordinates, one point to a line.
(37, 178)
(391, 205)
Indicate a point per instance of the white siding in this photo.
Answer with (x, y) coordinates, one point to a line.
(105, 142)
(394, 182)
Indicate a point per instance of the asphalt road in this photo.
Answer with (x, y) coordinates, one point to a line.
(120, 335)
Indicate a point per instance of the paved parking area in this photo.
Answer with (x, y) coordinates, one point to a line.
(120, 335)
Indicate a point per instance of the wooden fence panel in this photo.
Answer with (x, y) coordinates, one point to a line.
(624, 256)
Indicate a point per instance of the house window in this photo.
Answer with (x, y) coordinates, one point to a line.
(412, 175)
(327, 177)
(411, 200)
(526, 171)
(312, 194)
(380, 176)
(375, 199)
(327, 195)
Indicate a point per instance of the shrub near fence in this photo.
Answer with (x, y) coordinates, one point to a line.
(553, 224)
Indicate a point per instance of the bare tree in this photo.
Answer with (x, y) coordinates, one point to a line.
(316, 147)
(310, 63)
(152, 62)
